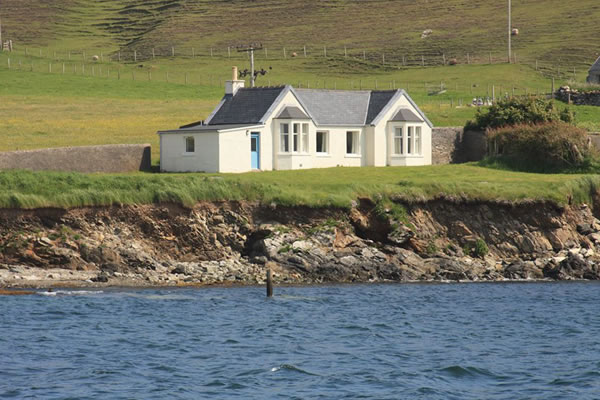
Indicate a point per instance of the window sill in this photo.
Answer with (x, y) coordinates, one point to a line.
(293, 154)
(352, 156)
(398, 156)
(188, 154)
(323, 155)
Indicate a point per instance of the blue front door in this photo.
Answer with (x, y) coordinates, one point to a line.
(255, 150)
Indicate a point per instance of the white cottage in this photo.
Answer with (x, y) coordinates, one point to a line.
(276, 128)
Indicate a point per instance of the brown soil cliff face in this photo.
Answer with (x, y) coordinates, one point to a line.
(236, 242)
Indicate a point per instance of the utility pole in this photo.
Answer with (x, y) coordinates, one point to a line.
(1, 44)
(250, 49)
(509, 32)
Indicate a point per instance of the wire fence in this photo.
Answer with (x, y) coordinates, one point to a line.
(391, 58)
(124, 65)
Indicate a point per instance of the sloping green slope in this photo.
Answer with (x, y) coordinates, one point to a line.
(559, 31)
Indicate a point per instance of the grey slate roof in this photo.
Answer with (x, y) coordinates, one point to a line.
(335, 107)
(248, 106)
(209, 128)
(379, 99)
(404, 114)
(292, 113)
(596, 66)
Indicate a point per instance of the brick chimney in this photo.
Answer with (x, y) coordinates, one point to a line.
(232, 86)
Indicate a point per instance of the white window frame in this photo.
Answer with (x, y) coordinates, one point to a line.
(355, 143)
(398, 138)
(325, 143)
(185, 143)
(412, 140)
(296, 130)
(304, 138)
(282, 134)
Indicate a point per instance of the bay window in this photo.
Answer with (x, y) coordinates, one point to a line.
(285, 138)
(398, 141)
(418, 140)
(305, 138)
(296, 138)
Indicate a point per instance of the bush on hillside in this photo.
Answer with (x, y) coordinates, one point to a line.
(546, 147)
(515, 111)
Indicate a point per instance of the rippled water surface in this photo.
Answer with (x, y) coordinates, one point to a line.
(453, 341)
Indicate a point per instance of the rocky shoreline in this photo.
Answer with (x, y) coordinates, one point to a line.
(233, 243)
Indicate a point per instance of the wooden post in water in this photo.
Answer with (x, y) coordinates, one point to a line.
(269, 282)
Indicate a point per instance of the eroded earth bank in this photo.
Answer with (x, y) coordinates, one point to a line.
(234, 243)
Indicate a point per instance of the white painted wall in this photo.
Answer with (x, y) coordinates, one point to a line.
(234, 151)
(173, 157)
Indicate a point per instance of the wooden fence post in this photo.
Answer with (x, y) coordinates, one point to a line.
(284, 55)
(304, 51)
(135, 55)
(228, 51)
(172, 51)
(153, 53)
(423, 61)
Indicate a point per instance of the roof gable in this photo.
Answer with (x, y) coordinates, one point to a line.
(406, 115)
(248, 106)
(291, 112)
(596, 66)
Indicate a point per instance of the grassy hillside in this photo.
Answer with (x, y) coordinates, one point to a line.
(555, 31)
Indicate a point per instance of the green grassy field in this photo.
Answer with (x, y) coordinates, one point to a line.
(111, 103)
(315, 188)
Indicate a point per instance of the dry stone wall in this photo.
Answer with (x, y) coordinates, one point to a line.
(108, 158)
(452, 145)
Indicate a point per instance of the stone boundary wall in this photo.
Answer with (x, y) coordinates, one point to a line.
(107, 158)
(451, 145)
(566, 94)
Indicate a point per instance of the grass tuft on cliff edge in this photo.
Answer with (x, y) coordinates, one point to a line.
(336, 187)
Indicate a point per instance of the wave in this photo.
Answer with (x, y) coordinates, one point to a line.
(456, 371)
(71, 293)
(291, 368)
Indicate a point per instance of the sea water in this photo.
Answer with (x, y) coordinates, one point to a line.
(402, 341)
